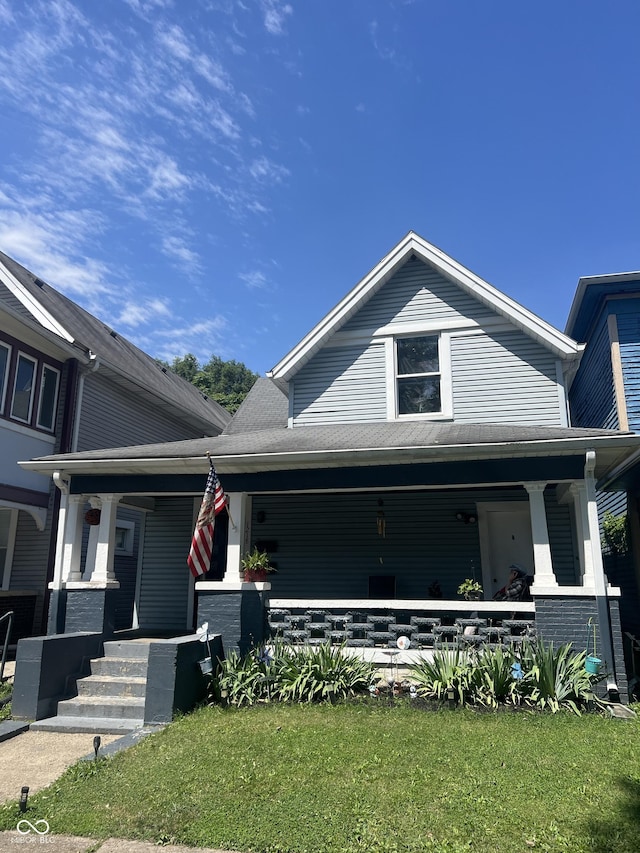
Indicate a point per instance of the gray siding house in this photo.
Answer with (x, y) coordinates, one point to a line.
(417, 436)
(69, 383)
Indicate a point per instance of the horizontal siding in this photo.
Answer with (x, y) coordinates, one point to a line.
(629, 335)
(341, 384)
(591, 397)
(165, 577)
(111, 417)
(328, 545)
(417, 293)
(503, 378)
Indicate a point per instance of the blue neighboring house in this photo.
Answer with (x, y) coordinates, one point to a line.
(605, 315)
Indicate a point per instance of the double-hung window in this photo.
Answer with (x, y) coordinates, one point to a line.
(29, 386)
(23, 387)
(418, 375)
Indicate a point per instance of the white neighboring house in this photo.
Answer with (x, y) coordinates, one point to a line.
(70, 383)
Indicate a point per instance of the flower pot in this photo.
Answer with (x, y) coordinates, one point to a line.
(255, 575)
(592, 664)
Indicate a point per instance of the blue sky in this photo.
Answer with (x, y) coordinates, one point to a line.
(213, 176)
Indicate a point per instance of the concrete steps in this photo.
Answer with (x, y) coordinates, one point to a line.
(111, 699)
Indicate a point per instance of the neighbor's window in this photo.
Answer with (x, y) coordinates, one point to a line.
(48, 397)
(23, 388)
(5, 352)
(7, 532)
(418, 379)
(124, 537)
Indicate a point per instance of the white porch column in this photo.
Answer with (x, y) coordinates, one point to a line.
(543, 566)
(92, 544)
(580, 502)
(239, 535)
(72, 540)
(103, 567)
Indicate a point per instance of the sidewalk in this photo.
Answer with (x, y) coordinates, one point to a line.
(13, 841)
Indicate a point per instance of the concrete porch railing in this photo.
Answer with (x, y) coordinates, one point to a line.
(429, 624)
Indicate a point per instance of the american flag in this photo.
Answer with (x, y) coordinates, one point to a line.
(214, 500)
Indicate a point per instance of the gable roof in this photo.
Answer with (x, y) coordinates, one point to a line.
(591, 292)
(85, 337)
(412, 244)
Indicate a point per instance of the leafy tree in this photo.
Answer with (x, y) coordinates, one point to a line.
(226, 382)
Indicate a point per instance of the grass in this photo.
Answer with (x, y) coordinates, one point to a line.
(362, 777)
(6, 687)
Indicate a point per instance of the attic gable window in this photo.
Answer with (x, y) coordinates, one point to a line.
(418, 375)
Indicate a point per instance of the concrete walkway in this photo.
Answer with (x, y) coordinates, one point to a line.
(13, 841)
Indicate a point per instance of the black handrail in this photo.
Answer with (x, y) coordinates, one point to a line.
(9, 619)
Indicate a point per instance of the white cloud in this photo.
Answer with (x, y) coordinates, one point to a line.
(136, 313)
(275, 14)
(254, 279)
(265, 170)
(177, 249)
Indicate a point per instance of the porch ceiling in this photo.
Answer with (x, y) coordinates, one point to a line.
(349, 446)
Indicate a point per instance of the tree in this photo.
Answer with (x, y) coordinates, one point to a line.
(226, 382)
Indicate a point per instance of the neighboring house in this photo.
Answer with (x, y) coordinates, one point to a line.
(70, 383)
(606, 393)
(417, 436)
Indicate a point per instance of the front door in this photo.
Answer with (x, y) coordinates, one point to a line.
(505, 538)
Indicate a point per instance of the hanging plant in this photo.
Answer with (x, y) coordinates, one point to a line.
(92, 517)
(614, 533)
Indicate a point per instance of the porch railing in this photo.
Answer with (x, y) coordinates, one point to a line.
(378, 624)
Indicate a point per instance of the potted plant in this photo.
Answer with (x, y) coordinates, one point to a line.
(470, 589)
(256, 566)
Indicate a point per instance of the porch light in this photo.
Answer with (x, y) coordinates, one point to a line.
(24, 796)
(466, 517)
(451, 697)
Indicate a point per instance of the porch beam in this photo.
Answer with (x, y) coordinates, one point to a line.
(544, 576)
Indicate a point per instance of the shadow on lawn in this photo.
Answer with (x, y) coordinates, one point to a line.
(613, 836)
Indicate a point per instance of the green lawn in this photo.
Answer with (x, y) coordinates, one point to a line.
(365, 777)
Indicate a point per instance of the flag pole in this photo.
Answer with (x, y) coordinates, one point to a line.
(208, 455)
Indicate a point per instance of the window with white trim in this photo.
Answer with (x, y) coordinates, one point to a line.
(124, 537)
(418, 375)
(29, 385)
(8, 521)
(23, 387)
(5, 355)
(49, 385)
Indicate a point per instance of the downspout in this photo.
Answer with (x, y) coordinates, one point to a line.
(599, 580)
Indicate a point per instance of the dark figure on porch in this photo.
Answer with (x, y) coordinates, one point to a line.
(516, 588)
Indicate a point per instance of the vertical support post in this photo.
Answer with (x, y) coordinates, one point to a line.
(544, 576)
(71, 539)
(239, 535)
(579, 492)
(103, 572)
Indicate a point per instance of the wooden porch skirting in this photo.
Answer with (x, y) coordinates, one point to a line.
(373, 624)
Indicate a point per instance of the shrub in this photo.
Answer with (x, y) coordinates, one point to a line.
(450, 669)
(555, 678)
(291, 673)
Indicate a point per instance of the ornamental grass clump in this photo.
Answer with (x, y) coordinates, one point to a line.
(284, 672)
(534, 675)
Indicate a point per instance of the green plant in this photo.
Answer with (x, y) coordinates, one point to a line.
(555, 678)
(324, 672)
(470, 589)
(256, 561)
(244, 679)
(495, 678)
(450, 669)
(615, 533)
